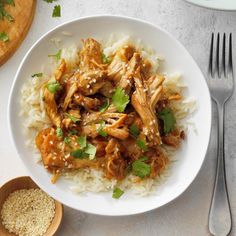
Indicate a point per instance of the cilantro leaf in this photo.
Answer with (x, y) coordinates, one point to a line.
(140, 168)
(57, 56)
(67, 140)
(4, 37)
(82, 141)
(100, 129)
(167, 116)
(49, 1)
(142, 145)
(3, 12)
(53, 87)
(59, 132)
(56, 11)
(91, 151)
(105, 59)
(117, 193)
(105, 105)
(73, 118)
(143, 158)
(134, 131)
(10, 2)
(120, 99)
(79, 153)
(37, 75)
(73, 132)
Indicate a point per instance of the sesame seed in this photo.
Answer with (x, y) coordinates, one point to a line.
(88, 86)
(66, 163)
(22, 207)
(90, 90)
(51, 142)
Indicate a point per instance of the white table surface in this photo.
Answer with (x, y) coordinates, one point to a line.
(188, 215)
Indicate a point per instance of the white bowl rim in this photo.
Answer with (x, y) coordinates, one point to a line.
(137, 211)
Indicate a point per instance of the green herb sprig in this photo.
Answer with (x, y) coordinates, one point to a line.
(3, 13)
(140, 168)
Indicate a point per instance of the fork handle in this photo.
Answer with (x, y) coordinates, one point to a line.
(220, 215)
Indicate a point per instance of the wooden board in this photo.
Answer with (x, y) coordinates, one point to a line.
(23, 14)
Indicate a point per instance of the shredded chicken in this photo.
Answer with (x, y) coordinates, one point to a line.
(88, 129)
(143, 106)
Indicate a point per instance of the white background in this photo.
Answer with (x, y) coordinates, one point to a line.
(188, 215)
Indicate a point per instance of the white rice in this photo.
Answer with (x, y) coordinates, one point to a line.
(35, 119)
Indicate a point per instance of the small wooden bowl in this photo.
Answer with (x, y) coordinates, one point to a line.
(26, 182)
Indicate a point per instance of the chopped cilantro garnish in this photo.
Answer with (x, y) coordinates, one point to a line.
(140, 168)
(105, 105)
(3, 12)
(134, 131)
(100, 129)
(57, 56)
(82, 141)
(37, 75)
(53, 87)
(142, 144)
(91, 151)
(73, 132)
(9, 2)
(56, 11)
(49, 1)
(120, 99)
(105, 59)
(79, 153)
(59, 132)
(117, 193)
(167, 116)
(86, 150)
(73, 118)
(67, 140)
(4, 37)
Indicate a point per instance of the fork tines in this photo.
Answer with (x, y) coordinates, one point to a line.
(221, 61)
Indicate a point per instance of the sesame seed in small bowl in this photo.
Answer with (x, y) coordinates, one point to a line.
(26, 210)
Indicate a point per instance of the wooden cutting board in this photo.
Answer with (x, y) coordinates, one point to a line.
(23, 14)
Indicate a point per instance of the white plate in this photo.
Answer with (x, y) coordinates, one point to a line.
(228, 5)
(190, 157)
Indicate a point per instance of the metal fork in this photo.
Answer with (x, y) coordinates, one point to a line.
(221, 84)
